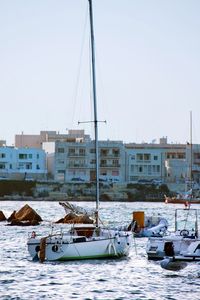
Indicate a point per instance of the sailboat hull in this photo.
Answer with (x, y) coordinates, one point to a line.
(63, 249)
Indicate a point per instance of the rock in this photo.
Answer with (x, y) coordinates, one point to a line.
(82, 220)
(16, 222)
(12, 216)
(73, 218)
(26, 213)
(2, 216)
(26, 216)
(67, 218)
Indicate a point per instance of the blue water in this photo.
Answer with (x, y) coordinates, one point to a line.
(129, 278)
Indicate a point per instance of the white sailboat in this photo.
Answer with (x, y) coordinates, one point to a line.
(84, 241)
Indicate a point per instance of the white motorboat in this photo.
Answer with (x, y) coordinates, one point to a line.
(84, 241)
(177, 242)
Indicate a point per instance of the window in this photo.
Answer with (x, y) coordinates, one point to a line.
(28, 166)
(30, 155)
(71, 152)
(115, 162)
(2, 155)
(22, 156)
(116, 152)
(155, 157)
(147, 156)
(115, 173)
(82, 152)
(38, 156)
(103, 173)
(139, 157)
(61, 162)
(140, 169)
(10, 166)
(103, 162)
(104, 152)
(60, 150)
(37, 167)
(149, 170)
(61, 171)
(2, 166)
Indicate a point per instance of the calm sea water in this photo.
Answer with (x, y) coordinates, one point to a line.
(129, 278)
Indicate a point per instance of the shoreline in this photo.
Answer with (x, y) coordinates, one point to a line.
(21, 199)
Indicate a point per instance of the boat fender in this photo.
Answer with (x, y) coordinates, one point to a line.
(33, 235)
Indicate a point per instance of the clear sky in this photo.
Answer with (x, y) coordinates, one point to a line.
(148, 68)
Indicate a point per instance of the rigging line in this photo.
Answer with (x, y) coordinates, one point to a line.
(75, 96)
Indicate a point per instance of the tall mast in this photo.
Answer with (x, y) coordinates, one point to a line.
(191, 160)
(95, 109)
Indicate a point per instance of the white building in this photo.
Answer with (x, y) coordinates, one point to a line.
(22, 163)
(156, 161)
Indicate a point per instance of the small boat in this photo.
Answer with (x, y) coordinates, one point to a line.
(179, 262)
(84, 241)
(186, 198)
(174, 243)
(146, 226)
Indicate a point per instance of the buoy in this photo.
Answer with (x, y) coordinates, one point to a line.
(171, 264)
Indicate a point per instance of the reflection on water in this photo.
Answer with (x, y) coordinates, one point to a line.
(128, 278)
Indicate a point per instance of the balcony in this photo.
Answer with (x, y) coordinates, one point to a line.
(75, 166)
(109, 155)
(109, 166)
(76, 154)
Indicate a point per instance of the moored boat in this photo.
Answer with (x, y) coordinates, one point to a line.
(146, 226)
(174, 243)
(84, 241)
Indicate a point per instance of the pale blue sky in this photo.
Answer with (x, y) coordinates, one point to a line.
(148, 68)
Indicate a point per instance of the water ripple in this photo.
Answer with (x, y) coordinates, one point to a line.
(130, 278)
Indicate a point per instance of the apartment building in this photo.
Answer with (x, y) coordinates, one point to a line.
(75, 161)
(71, 157)
(22, 163)
(155, 161)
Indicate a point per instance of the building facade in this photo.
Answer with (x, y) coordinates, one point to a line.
(72, 158)
(22, 163)
(75, 161)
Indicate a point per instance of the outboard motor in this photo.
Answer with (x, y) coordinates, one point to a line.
(169, 249)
